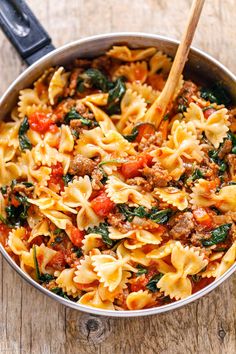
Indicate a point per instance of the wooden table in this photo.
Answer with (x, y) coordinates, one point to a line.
(31, 322)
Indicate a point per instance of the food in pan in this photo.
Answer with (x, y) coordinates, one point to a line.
(101, 207)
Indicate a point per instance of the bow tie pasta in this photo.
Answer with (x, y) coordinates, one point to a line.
(105, 209)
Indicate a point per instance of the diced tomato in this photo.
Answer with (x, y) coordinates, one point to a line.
(40, 122)
(58, 261)
(201, 284)
(202, 217)
(102, 204)
(57, 170)
(209, 112)
(56, 176)
(132, 168)
(145, 130)
(76, 236)
(14, 201)
(54, 129)
(4, 231)
(156, 81)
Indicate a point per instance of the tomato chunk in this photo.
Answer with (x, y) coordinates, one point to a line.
(40, 122)
(208, 112)
(56, 176)
(14, 201)
(76, 236)
(202, 217)
(102, 204)
(132, 168)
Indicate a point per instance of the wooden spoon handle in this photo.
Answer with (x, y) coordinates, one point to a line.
(158, 109)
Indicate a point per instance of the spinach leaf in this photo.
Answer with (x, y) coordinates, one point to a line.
(215, 94)
(58, 291)
(79, 252)
(46, 278)
(17, 215)
(4, 190)
(115, 95)
(160, 216)
(132, 136)
(141, 270)
(96, 79)
(42, 278)
(181, 108)
(232, 137)
(213, 154)
(218, 235)
(67, 178)
(102, 229)
(166, 117)
(23, 139)
(27, 184)
(196, 174)
(105, 176)
(152, 284)
(196, 278)
(130, 212)
(58, 231)
(73, 114)
(37, 271)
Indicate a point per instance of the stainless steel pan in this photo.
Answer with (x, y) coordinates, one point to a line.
(34, 45)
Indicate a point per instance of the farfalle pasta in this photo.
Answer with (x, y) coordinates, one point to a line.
(103, 208)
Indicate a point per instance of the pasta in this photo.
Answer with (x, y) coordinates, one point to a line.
(100, 207)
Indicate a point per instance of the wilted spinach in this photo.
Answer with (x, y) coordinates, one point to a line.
(73, 114)
(58, 291)
(93, 78)
(102, 229)
(160, 216)
(141, 270)
(218, 235)
(115, 95)
(181, 108)
(67, 178)
(214, 155)
(215, 94)
(130, 212)
(232, 137)
(42, 278)
(152, 284)
(24, 142)
(16, 215)
(132, 136)
(157, 216)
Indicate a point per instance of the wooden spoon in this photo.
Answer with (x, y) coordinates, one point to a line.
(158, 109)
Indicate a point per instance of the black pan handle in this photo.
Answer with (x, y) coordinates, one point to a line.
(24, 30)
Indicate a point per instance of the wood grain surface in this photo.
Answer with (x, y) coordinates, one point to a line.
(33, 323)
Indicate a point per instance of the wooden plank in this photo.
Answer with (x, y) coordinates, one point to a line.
(31, 322)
